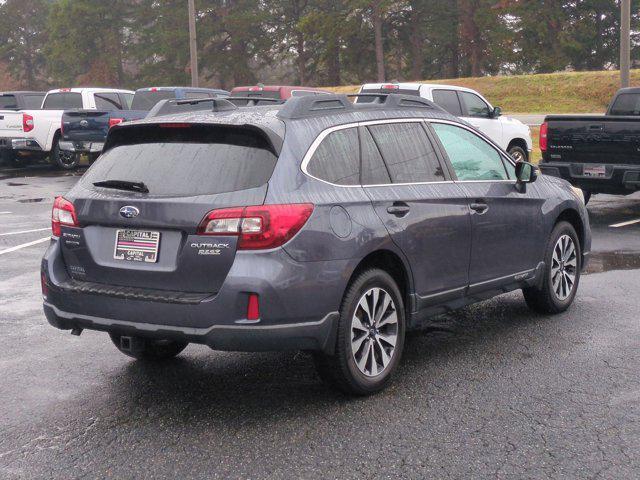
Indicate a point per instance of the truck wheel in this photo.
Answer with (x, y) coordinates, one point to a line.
(370, 336)
(563, 262)
(518, 154)
(63, 159)
(147, 349)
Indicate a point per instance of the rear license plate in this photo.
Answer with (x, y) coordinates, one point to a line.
(137, 246)
(594, 171)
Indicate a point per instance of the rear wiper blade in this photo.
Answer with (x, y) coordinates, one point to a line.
(123, 185)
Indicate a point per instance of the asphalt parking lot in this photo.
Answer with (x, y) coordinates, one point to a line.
(492, 391)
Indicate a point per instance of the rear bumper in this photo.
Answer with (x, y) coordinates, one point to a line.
(20, 144)
(618, 179)
(81, 147)
(298, 305)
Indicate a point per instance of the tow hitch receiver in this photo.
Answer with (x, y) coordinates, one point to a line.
(131, 344)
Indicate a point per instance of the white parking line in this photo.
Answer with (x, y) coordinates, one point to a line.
(625, 224)
(5, 213)
(24, 245)
(24, 231)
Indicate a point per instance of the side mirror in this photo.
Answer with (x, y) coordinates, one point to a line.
(525, 173)
(497, 111)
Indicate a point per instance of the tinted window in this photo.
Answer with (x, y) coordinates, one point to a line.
(302, 93)
(476, 107)
(374, 171)
(626, 104)
(400, 91)
(472, 157)
(107, 101)
(33, 102)
(336, 159)
(196, 95)
(448, 99)
(8, 102)
(187, 161)
(63, 101)
(258, 93)
(407, 152)
(127, 98)
(147, 99)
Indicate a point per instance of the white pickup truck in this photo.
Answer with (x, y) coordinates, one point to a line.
(35, 133)
(510, 134)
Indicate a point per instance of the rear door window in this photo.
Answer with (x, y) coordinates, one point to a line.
(186, 161)
(33, 102)
(107, 101)
(336, 160)
(471, 157)
(374, 171)
(407, 152)
(8, 102)
(63, 101)
(448, 99)
(626, 104)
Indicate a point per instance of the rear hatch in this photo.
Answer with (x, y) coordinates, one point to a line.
(593, 139)
(85, 125)
(149, 240)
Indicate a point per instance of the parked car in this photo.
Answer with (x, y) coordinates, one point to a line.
(597, 153)
(85, 131)
(12, 121)
(318, 225)
(509, 133)
(38, 134)
(268, 93)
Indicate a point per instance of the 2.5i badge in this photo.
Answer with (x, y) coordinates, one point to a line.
(137, 246)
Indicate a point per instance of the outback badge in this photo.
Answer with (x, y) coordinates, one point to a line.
(129, 212)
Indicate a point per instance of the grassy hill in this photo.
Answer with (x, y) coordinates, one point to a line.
(566, 92)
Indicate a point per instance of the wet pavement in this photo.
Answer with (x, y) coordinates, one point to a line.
(492, 391)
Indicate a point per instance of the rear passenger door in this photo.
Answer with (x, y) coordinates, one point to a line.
(425, 213)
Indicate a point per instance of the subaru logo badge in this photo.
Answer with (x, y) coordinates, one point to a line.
(129, 212)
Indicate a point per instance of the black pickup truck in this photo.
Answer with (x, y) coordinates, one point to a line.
(597, 153)
(85, 131)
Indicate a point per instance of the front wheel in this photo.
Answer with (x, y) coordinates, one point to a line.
(147, 349)
(518, 154)
(563, 262)
(62, 159)
(370, 336)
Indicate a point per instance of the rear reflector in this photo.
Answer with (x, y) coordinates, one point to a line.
(43, 284)
(63, 213)
(544, 133)
(257, 227)
(253, 307)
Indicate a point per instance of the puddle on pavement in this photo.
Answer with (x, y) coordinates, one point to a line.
(606, 261)
(16, 184)
(31, 200)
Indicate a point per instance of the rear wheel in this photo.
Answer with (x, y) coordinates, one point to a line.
(562, 272)
(370, 336)
(147, 349)
(63, 159)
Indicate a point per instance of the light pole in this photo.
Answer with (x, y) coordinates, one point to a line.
(193, 47)
(625, 43)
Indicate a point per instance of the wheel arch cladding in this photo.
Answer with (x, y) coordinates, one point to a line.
(572, 217)
(519, 142)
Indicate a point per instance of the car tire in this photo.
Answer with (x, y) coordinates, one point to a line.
(64, 160)
(563, 262)
(149, 349)
(587, 196)
(367, 353)
(518, 154)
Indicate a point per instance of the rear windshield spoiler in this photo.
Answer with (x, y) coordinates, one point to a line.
(148, 132)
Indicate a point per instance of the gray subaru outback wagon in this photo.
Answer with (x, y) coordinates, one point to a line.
(320, 225)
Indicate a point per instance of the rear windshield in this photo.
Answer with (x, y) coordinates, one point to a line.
(626, 104)
(146, 100)
(32, 101)
(8, 102)
(62, 101)
(188, 161)
(399, 91)
(258, 94)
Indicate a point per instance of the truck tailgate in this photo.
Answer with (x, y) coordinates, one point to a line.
(10, 122)
(85, 125)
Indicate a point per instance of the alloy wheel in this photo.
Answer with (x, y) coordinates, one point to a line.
(564, 267)
(374, 332)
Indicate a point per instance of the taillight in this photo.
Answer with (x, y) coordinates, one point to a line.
(390, 86)
(115, 121)
(43, 284)
(63, 213)
(544, 129)
(253, 307)
(27, 122)
(257, 227)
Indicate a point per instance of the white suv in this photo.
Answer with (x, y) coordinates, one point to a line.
(509, 133)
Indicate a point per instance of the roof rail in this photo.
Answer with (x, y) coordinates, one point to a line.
(309, 106)
(253, 101)
(172, 106)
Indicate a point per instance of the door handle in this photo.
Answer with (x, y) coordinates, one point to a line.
(399, 209)
(479, 208)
